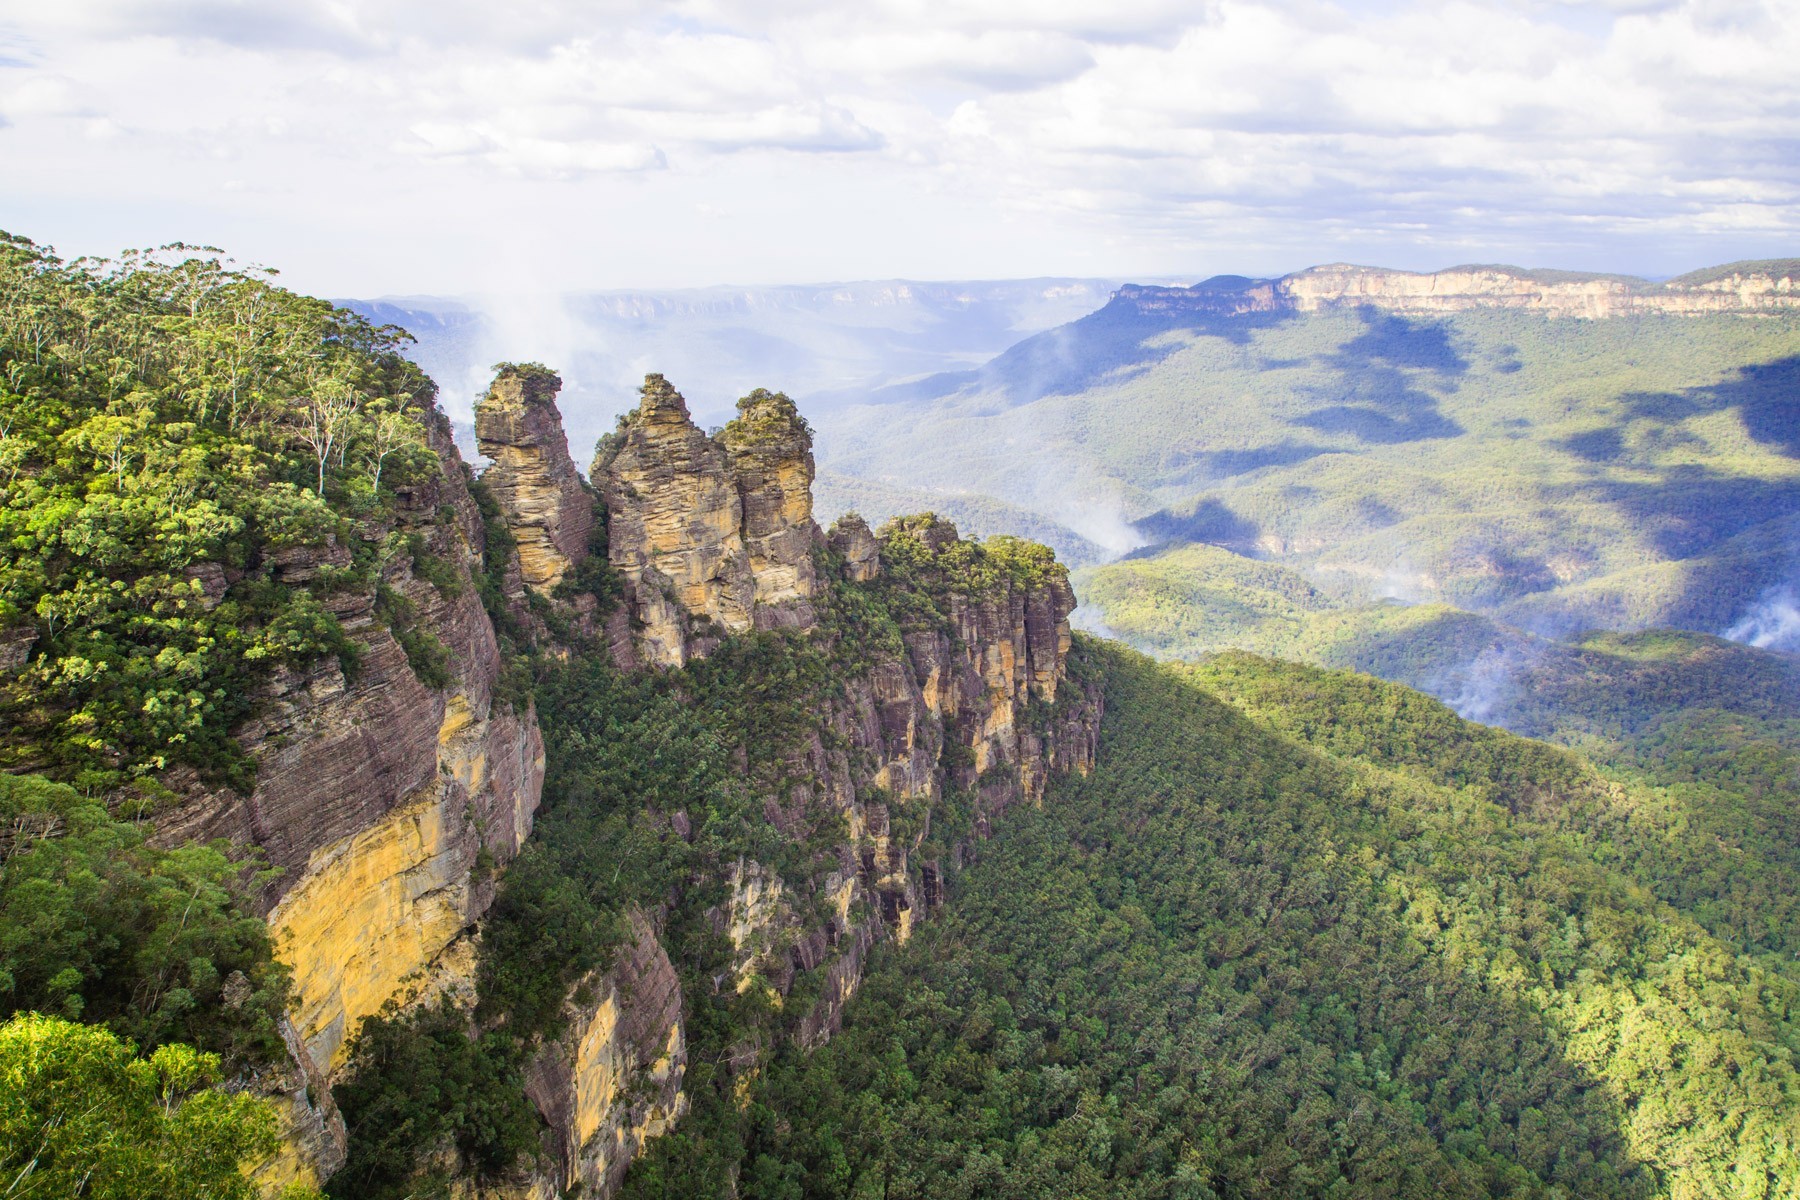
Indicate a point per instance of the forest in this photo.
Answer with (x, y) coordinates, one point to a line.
(1305, 934)
(1298, 932)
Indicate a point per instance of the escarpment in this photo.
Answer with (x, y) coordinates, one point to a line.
(1745, 288)
(715, 536)
(937, 691)
(387, 796)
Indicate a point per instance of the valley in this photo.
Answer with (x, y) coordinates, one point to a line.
(636, 824)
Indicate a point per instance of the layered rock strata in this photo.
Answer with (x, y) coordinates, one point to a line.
(977, 710)
(769, 448)
(547, 506)
(386, 803)
(712, 536)
(715, 535)
(613, 1080)
(1747, 288)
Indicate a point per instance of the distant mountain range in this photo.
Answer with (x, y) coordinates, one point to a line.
(821, 343)
(1551, 452)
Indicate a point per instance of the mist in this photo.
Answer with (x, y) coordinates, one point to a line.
(1772, 623)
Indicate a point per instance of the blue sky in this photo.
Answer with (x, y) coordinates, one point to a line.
(412, 146)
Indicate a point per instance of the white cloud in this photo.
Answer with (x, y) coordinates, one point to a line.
(1060, 135)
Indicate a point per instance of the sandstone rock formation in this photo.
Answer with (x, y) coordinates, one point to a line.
(711, 536)
(851, 538)
(390, 803)
(978, 705)
(613, 1080)
(547, 506)
(1747, 288)
(383, 800)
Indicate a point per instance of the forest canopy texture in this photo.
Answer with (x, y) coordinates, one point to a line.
(1301, 934)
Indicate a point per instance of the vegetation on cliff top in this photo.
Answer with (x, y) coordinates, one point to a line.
(764, 417)
(658, 783)
(172, 430)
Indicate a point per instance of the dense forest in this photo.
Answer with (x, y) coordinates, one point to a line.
(1299, 932)
(170, 426)
(1306, 934)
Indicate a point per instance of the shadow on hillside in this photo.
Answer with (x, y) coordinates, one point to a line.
(1766, 395)
(1691, 508)
(1389, 378)
(1114, 345)
(1472, 1047)
(1200, 467)
(1209, 521)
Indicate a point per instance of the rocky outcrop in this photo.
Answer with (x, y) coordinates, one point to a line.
(1745, 288)
(769, 448)
(386, 802)
(850, 537)
(711, 536)
(613, 1080)
(547, 506)
(975, 710)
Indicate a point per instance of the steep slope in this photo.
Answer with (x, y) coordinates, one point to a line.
(1302, 934)
(254, 619)
(762, 766)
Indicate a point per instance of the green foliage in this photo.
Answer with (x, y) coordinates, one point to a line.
(166, 421)
(1196, 598)
(1609, 472)
(540, 382)
(1322, 940)
(82, 1115)
(425, 654)
(158, 945)
(924, 556)
(764, 417)
(595, 576)
(432, 569)
(422, 1082)
(498, 547)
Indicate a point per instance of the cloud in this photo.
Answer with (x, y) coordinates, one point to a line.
(1250, 134)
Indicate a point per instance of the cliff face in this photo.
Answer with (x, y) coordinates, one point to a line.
(386, 802)
(613, 1080)
(532, 477)
(711, 536)
(769, 449)
(391, 803)
(1748, 288)
(716, 535)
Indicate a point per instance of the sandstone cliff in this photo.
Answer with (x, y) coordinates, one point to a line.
(386, 800)
(613, 1080)
(715, 536)
(1744, 288)
(547, 506)
(711, 536)
(391, 797)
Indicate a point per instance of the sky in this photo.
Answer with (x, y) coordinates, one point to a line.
(368, 147)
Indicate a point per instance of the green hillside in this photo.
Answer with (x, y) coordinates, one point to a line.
(1616, 473)
(1301, 934)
